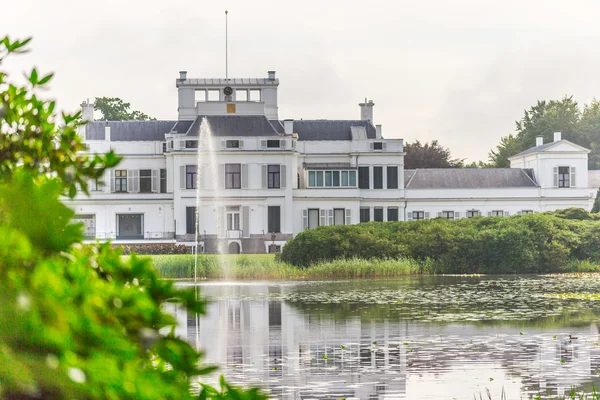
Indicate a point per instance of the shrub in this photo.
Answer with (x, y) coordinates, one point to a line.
(154, 248)
(530, 243)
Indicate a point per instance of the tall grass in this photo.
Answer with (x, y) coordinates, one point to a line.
(266, 267)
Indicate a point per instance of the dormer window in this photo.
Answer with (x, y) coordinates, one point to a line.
(273, 144)
(191, 144)
(232, 144)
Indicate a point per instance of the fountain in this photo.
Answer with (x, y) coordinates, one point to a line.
(206, 152)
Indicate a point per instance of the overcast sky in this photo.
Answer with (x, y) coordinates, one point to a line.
(459, 71)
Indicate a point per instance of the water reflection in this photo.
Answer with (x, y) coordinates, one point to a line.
(288, 339)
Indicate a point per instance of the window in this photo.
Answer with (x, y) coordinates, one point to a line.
(233, 176)
(164, 147)
(121, 180)
(241, 95)
(378, 146)
(273, 144)
(274, 219)
(339, 215)
(328, 181)
(191, 176)
(199, 95)
(331, 178)
(447, 214)
(254, 95)
(418, 215)
(563, 177)
(497, 213)
(377, 177)
(130, 226)
(163, 180)
(233, 218)
(527, 212)
(190, 220)
(97, 185)
(392, 177)
(473, 213)
(365, 214)
(392, 214)
(363, 177)
(378, 214)
(191, 144)
(313, 218)
(145, 181)
(89, 225)
(213, 95)
(273, 177)
(232, 144)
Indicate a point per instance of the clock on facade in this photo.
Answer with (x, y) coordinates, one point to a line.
(228, 91)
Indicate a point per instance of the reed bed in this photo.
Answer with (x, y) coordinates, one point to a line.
(260, 266)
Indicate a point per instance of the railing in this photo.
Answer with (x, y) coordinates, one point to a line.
(148, 235)
(234, 233)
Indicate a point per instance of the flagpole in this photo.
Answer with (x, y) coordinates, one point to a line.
(226, 52)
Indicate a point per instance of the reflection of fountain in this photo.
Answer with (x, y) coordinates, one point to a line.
(206, 152)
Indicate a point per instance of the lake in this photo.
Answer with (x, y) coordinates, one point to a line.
(441, 337)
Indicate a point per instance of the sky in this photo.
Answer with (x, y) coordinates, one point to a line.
(460, 71)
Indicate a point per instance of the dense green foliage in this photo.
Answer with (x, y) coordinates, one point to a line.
(31, 138)
(531, 243)
(428, 156)
(579, 125)
(76, 322)
(264, 266)
(115, 109)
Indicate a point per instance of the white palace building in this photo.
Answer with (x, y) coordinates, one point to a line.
(278, 177)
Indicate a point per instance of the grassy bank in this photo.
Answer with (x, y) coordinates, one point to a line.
(264, 266)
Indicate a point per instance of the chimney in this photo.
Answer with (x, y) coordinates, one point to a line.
(288, 126)
(107, 134)
(87, 111)
(183, 75)
(366, 110)
(557, 136)
(378, 131)
(539, 140)
(271, 75)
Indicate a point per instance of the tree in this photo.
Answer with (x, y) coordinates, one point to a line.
(78, 321)
(115, 109)
(30, 138)
(596, 206)
(543, 119)
(429, 156)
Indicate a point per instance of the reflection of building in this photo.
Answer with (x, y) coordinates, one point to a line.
(258, 339)
(277, 178)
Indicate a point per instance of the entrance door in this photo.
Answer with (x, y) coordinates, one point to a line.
(233, 222)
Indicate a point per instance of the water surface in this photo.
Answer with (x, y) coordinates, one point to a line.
(427, 338)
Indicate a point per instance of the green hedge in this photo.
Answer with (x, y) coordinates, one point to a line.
(530, 243)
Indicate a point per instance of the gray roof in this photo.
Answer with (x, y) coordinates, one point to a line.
(594, 179)
(534, 149)
(322, 129)
(182, 126)
(277, 125)
(547, 145)
(468, 178)
(235, 125)
(129, 131)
